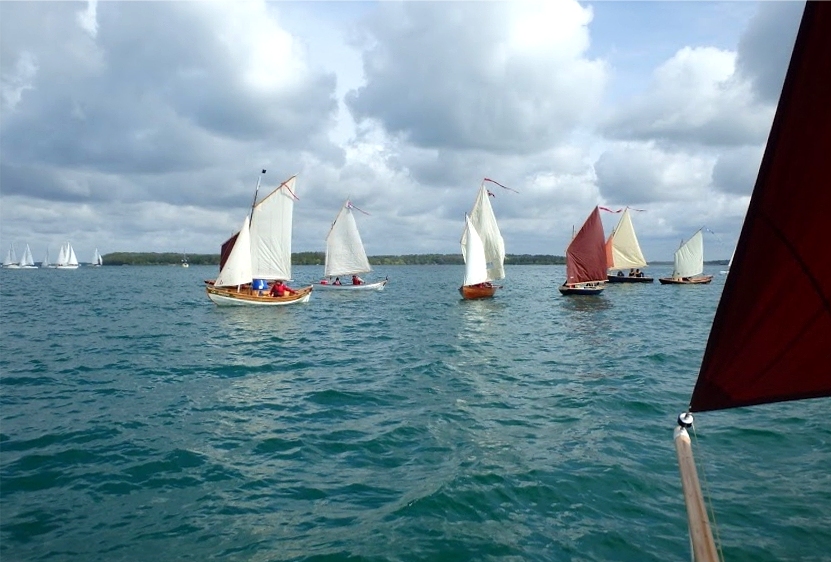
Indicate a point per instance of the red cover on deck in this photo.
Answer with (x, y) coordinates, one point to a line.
(771, 337)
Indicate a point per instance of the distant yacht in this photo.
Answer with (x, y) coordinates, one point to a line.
(27, 261)
(185, 260)
(11, 259)
(67, 258)
(97, 260)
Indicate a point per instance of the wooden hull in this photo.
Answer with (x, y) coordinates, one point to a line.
(229, 296)
(700, 280)
(379, 286)
(627, 279)
(582, 288)
(470, 292)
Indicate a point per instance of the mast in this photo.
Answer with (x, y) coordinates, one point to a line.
(256, 191)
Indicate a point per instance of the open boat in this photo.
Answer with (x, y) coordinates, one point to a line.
(689, 263)
(258, 253)
(345, 256)
(771, 335)
(624, 252)
(586, 259)
(483, 249)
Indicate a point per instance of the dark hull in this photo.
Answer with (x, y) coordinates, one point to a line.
(703, 280)
(581, 289)
(627, 279)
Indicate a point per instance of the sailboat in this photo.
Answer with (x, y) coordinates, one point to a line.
(624, 252)
(45, 262)
(483, 248)
(258, 253)
(689, 263)
(345, 255)
(586, 259)
(97, 260)
(729, 264)
(771, 336)
(11, 259)
(67, 258)
(27, 261)
(185, 260)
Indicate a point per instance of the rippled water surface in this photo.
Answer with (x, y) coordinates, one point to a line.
(141, 422)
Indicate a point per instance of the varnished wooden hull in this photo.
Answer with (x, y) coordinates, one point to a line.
(700, 280)
(229, 296)
(470, 292)
(627, 279)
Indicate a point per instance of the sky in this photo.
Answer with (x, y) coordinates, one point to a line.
(143, 126)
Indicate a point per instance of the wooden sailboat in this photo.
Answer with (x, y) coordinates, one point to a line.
(258, 253)
(586, 259)
(624, 252)
(688, 267)
(346, 257)
(483, 249)
(771, 335)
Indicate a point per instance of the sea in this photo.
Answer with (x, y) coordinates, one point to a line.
(140, 422)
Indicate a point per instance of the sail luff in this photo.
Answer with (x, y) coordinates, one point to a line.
(626, 251)
(345, 254)
(689, 258)
(771, 335)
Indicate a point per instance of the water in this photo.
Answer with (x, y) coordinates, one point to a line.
(141, 422)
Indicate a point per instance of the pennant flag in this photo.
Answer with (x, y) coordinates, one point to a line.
(500, 185)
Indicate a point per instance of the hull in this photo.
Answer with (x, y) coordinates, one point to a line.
(66, 267)
(379, 286)
(627, 279)
(594, 288)
(228, 296)
(701, 280)
(470, 292)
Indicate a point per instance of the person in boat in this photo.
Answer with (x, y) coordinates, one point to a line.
(620, 273)
(337, 281)
(357, 280)
(631, 273)
(280, 289)
(324, 281)
(485, 285)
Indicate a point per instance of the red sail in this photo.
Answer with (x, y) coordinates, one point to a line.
(771, 337)
(586, 255)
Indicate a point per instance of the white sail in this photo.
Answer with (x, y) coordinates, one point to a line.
(626, 252)
(96, 258)
(11, 257)
(345, 254)
(27, 260)
(484, 223)
(72, 259)
(689, 258)
(476, 270)
(237, 269)
(45, 262)
(62, 256)
(270, 231)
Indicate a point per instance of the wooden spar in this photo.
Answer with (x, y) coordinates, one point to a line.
(701, 535)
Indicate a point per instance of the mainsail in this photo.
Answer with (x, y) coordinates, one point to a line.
(11, 257)
(771, 336)
(586, 254)
(27, 260)
(484, 223)
(689, 258)
(345, 253)
(622, 247)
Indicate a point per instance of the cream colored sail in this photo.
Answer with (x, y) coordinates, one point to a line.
(484, 224)
(689, 258)
(270, 231)
(626, 252)
(476, 270)
(345, 254)
(237, 269)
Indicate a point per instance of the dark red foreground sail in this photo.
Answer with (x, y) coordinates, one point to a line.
(586, 255)
(771, 337)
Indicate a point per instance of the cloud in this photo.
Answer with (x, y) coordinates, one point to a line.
(87, 19)
(504, 77)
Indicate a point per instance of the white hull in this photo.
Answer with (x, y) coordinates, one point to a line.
(379, 286)
(11, 266)
(66, 267)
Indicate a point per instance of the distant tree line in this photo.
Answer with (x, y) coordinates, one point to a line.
(318, 258)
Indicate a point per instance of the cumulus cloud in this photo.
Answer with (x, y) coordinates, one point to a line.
(503, 77)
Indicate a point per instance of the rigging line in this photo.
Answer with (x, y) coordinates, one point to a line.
(351, 205)
(500, 185)
(706, 491)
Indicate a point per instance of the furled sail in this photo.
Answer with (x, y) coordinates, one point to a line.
(345, 253)
(689, 258)
(771, 336)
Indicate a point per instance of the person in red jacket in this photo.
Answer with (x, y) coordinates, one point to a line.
(356, 280)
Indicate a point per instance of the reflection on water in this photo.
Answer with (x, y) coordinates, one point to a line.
(480, 318)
